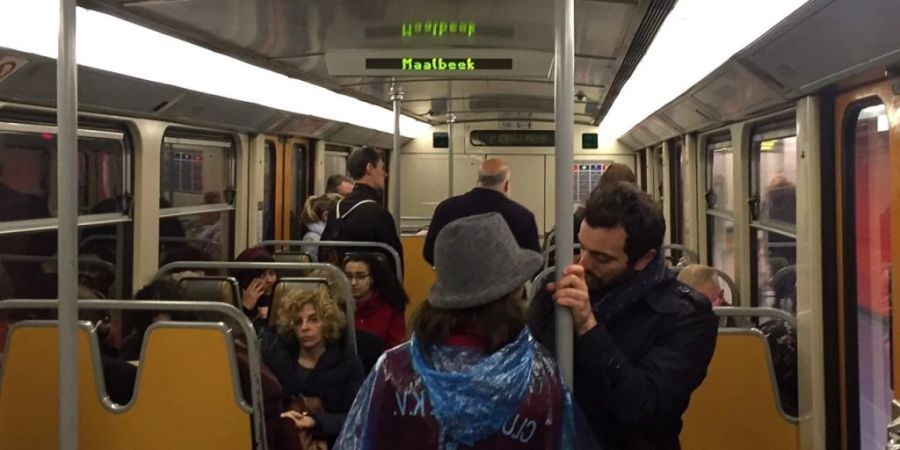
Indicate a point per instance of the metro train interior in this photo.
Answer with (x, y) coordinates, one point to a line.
(768, 132)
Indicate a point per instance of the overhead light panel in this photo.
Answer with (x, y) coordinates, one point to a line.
(108, 43)
(697, 37)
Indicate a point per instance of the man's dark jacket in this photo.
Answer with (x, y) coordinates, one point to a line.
(635, 371)
(479, 201)
(369, 222)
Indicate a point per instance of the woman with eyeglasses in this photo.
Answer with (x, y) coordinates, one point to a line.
(380, 298)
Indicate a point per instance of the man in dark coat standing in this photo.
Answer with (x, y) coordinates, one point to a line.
(361, 216)
(490, 195)
(642, 339)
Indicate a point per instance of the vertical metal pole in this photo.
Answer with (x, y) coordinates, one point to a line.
(450, 167)
(67, 204)
(394, 179)
(564, 75)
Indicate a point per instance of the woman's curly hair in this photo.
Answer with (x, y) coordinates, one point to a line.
(332, 318)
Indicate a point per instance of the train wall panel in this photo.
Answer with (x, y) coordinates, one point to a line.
(830, 43)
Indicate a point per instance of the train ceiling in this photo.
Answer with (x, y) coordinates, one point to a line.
(306, 39)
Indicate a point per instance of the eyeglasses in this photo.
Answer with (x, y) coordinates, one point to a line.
(359, 276)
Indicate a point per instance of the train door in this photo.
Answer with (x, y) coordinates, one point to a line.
(287, 176)
(868, 205)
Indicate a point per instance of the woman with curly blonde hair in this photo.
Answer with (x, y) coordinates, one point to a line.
(318, 376)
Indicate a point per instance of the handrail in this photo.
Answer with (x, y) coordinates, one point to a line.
(343, 284)
(687, 251)
(91, 261)
(535, 282)
(380, 245)
(187, 240)
(737, 311)
(167, 305)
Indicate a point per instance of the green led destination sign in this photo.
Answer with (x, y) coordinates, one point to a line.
(437, 28)
(439, 64)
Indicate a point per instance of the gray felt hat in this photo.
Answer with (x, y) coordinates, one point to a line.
(478, 261)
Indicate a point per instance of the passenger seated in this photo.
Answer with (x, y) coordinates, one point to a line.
(257, 286)
(705, 280)
(317, 375)
(380, 298)
(369, 347)
(782, 338)
(137, 322)
(472, 376)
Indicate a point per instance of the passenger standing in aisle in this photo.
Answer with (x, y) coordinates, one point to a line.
(642, 340)
(614, 173)
(361, 216)
(472, 376)
(490, 195)
(339, 184)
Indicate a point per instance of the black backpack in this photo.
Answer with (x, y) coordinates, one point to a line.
(335, 232)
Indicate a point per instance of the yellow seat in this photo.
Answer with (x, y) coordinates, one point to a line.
(187, 394)
(418, 275)
(737, 406)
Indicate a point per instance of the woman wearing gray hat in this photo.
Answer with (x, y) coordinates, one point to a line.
(472, 376)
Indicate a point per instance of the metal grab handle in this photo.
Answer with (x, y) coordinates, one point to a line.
(694, 257)
(737, 311)
(343, 284)
(354, 244)
(242, 320)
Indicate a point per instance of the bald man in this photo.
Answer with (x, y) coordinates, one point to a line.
(490, 195)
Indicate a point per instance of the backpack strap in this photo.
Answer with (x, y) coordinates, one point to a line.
(343, 216)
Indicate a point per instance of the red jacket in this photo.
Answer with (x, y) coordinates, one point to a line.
(376, 316)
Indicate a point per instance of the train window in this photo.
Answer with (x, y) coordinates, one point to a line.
(298, 189)
(28, 173)
(773, 210)
(642, 167)
(720, 160)
(28, 264)
(658, 178)
(336, 159)
(28, 210)
(722, 246)
(676, 212)
(196, 212)
(868, 240)
(720, 223)
(268, 208)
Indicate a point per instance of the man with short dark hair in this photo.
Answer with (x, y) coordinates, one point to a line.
(339, 184)
(361, 216)
(642, 340)
(490, 195)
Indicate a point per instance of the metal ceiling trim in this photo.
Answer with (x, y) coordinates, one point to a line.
(653, 19)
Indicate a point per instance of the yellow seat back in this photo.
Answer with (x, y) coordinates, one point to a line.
(187, 394)
(418, 275)
(737, 406)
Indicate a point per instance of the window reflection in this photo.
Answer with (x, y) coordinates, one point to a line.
(721, 247)
(776, 270)
(777, 180)
(720, 179)
(28, 175)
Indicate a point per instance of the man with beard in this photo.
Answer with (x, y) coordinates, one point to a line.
(642, 340)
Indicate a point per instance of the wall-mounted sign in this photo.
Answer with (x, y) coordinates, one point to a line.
(449, 62)
(512, 138)
(437, 28)
(439, 64)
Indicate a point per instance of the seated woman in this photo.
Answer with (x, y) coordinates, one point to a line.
(380, 298)
(472, 376)
(312, 366)
(257, 286)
